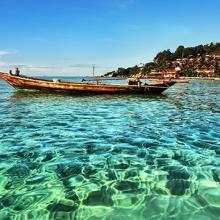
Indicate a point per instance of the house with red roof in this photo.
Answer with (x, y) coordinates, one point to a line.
(171, 72)
(205, 71)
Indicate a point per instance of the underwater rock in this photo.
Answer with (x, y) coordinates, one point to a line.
(49, 156)
(216, 175)
(217, 151)
(121, 166)
(25, 202)
(6, 218)
(92, 148)
(148, 145)
(4, 156)
(142, 154)
(84, 158)
(72, 196)
(178, 187)
(18, 170)
(161, 162)
(66, 184)
(100, 198)
(7, 201)
(27, 154)
(33, 165)
(20, 207)
(126, 185)
(150, 162)
(60, 207)
(176, 157)
(89, 149)
(164, 156)
(116, 150)
(111, 174)
(8, 185)
(131, 173)
(68, 170)
(89, 170)
(176, 172)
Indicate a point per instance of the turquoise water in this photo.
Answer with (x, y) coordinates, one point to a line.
(111, 157)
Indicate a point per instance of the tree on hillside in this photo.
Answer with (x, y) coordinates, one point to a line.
(162, 58)
(199, 50)
(217, 70)
(188, 52)
(133, 70)
(148, 67)
(179, 52)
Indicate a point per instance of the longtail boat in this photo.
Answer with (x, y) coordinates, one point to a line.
(28, 83)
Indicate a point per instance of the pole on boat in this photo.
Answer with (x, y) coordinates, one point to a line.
(93, 71)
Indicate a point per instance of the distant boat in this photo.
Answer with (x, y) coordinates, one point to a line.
(27, 83)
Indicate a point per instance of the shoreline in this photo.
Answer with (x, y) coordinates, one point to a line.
(201, 78)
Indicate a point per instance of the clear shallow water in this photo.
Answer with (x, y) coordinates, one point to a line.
(111, 157)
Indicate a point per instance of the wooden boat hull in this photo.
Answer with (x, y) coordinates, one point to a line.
(75, 87)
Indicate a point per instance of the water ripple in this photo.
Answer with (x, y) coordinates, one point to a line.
(111, 157)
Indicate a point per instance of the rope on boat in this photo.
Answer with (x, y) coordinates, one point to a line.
(166, 84)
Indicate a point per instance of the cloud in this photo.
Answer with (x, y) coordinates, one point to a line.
(59, 70)
(86, 66)
(3, 52)
(82, 65)
(7, 52)
(38, 68)
(26, 67)
(6, 65)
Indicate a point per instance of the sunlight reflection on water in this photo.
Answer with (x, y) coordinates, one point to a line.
(111, 157)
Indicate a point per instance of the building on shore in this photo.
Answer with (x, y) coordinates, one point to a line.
(154, 74)
(214, 55)
(205, 71)
(171, 72)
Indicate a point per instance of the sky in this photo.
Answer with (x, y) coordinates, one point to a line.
(68, 37)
